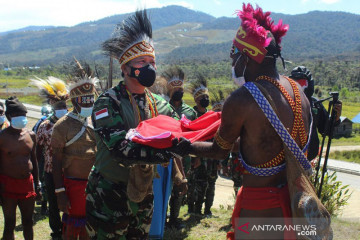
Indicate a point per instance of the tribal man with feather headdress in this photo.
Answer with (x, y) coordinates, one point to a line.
(175, 78)
(264, 193)
(73, 146)
(119, 191)
(55, 93)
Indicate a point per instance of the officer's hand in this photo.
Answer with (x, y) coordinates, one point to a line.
(63, 202)
(338, 109)
(181, 147)
(161, 155)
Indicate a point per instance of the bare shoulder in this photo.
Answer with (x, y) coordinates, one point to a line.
(31, 134)
(237, 103)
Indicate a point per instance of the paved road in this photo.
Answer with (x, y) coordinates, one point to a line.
(33, 110)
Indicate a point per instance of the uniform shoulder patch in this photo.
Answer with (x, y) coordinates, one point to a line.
(101, 113)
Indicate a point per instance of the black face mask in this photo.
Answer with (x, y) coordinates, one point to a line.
(204, 102)
(146, 75)
(177, 96)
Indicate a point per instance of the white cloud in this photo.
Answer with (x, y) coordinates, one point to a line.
(16, 14)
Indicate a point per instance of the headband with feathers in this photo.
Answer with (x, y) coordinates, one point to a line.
(131, 39)
(199, 87)
(159, 87)
(174, 76)
(217, 100)
(257, 32)
(51, 89)
(82, 80)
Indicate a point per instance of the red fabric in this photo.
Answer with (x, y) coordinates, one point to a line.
(159, 131)
(261, 199)
(75, 191)
(17, 188)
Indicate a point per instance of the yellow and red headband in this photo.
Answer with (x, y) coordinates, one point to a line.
(139, 49)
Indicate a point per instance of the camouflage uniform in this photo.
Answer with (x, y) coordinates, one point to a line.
(110, 212)
(198, 182)
(177, 199)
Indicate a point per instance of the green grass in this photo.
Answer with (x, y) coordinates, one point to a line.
(196, 228)
(41, 225)
(345, 141)
(29, 99)
(349, 156)
(13, 83)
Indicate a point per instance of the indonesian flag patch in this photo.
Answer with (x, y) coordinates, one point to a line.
(101, 114)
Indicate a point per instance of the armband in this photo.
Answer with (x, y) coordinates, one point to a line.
(222, 143)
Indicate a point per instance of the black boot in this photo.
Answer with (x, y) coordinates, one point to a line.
(175, 205)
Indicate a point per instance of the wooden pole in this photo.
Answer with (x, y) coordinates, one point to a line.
(109, 84)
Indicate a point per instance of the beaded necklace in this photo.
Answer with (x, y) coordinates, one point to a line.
(298, 126)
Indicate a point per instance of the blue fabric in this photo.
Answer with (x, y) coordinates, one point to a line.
(36, 127)
(356, 119)
(282, 132)
(162, 189)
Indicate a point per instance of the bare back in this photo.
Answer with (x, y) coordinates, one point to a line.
(259, 142)
(15, 153)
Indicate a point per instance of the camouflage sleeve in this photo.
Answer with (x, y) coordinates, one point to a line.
(110, 128)
(164, 108)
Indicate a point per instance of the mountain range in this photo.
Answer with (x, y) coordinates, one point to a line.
(183, 35)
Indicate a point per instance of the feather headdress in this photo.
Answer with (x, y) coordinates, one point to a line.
(52, 89)
(131, 39)
(175, 77)
(217, 100)
(82, 81)
(159, 87)
(199, 87)
(258, 33)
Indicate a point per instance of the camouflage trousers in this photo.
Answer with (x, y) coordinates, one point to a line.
(111, 215)
(197, 188)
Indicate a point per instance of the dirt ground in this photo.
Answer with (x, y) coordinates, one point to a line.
(225, 196)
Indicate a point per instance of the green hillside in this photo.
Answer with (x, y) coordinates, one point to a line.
(183, 35)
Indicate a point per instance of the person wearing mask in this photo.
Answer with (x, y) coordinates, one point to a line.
(175, 78)
(19, 179)
(54, 92)
(119, 201)
(265, 192)
(198, 172)
(3, 122)
(73, 147)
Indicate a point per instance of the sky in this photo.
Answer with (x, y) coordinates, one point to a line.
(15, 14)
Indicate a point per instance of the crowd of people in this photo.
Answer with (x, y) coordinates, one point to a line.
(82, 162)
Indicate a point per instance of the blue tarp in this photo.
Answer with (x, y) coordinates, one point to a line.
(356, 119)
(162, 189)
